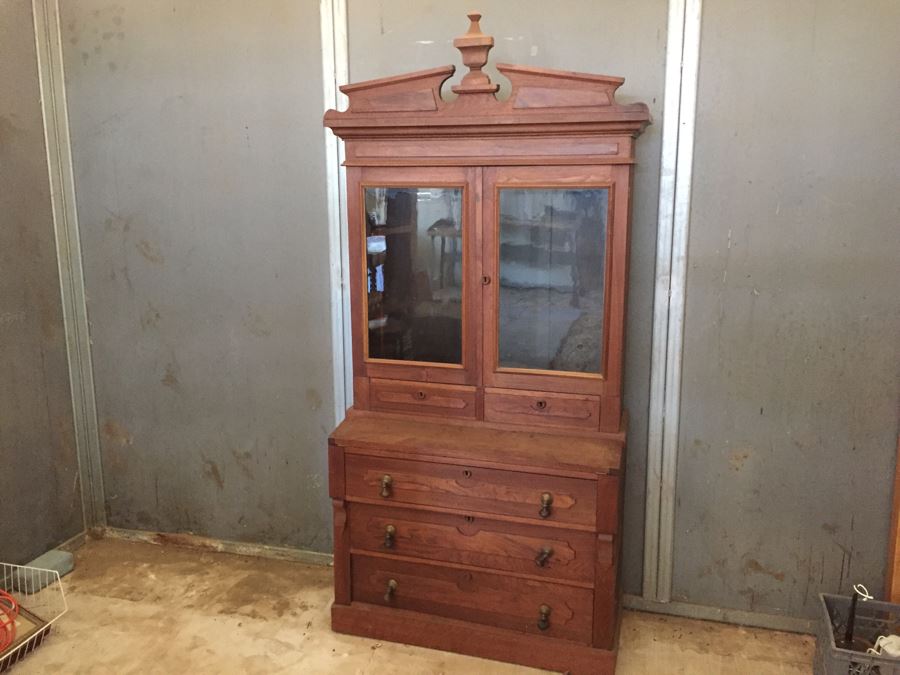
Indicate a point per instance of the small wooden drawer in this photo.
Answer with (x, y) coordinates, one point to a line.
(478, 597)
(553, 410)
(472, 489)
(549, 552)
(447, 400)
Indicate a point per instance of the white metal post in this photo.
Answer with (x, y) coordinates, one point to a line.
(679, 113)
(335, 72)
(48, 43)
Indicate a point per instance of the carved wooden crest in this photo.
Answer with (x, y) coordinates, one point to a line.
(542, 101)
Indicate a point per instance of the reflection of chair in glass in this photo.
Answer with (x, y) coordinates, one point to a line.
(446, 229)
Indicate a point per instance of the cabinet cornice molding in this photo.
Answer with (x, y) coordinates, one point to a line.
(542, 101)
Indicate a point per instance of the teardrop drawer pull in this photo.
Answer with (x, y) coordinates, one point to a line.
(390, 533)
(386, 484)
(546, 501)
(544, 619)
(391, 589)
(543, 556)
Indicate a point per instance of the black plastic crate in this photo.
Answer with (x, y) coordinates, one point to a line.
(873, 618)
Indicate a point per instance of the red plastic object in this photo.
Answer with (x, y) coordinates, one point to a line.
(9, 611)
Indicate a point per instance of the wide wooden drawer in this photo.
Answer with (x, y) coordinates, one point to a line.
(544, 409)
(478, 597)
(447, 400)
(473, 490)
(549, 552)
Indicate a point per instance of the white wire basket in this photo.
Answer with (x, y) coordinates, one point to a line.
(41, 600)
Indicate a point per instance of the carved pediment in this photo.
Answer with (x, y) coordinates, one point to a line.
(541, 99)
(413, 92)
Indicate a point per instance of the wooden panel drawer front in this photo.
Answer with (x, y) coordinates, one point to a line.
(419, 397)
(544, 409)
(549, 552)
(473, 489)
(478, 597)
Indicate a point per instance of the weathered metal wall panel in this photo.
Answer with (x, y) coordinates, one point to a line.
(41, 496)
(792, 335)
(612, 38)
(199, 171)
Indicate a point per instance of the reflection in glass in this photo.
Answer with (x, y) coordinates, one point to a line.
(414, 273)
(552, 260)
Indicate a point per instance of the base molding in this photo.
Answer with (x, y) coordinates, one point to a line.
(219, 545)
(721, 615)
(434, 632)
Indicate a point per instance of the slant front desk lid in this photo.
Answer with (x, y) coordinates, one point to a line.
(440, 442)
(541, 101)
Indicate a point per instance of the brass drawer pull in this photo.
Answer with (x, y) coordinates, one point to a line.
(546, 501)
(392, 588)
(543, 557)
(386, 484)
(389, 533)
(544, 619)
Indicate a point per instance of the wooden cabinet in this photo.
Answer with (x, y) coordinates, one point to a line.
(477, 480)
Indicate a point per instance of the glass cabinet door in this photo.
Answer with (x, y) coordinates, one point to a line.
(547, 256)
(412, 269)
(414, 273)
(552, 254)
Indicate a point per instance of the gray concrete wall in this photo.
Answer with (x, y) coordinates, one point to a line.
(611, 38)
(790, 394)
(199, 170)
(41, 496)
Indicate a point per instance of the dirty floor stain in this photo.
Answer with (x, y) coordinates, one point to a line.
(140, 608)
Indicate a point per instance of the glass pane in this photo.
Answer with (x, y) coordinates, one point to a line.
(414, 273)
(552, 258)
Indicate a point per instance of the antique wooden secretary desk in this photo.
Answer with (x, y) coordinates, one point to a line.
(477, 480)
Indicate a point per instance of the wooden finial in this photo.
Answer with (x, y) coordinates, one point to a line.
(474, 46)
(474, 28)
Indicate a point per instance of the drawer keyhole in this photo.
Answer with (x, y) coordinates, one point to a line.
(540, 404)
(467, 473)
(421, 395)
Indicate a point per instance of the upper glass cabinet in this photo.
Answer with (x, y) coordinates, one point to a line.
(414, 273)
(552, 272)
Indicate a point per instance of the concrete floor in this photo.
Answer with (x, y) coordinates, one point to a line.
(140, 608)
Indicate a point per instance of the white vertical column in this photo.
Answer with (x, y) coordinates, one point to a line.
(48, 43)
(679, 113)
(335, 72)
